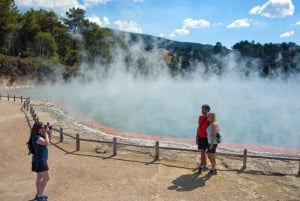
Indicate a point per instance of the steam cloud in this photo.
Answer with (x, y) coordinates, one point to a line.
(249, 110)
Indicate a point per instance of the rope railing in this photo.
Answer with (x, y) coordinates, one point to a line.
(155, 145)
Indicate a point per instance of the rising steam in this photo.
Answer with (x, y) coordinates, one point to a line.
(249, 109)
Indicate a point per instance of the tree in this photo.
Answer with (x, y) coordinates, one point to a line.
(63, 41)
(29, 31)
(47, 20)
(8, 26)
(75, 20)
(45, 46)
(95, 42)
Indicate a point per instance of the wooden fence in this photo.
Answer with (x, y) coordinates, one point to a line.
(155, 145)
(14, 98)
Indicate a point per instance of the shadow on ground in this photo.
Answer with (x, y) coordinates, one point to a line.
(188, 182)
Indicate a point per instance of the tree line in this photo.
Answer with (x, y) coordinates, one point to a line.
(38, 41)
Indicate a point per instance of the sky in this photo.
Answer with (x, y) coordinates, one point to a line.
(198, 21)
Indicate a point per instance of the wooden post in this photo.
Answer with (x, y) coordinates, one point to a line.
(77, 142)
(156, 150)
(61, 135)
(24, 105)
(22, 100)
(114, 146)
(7, 97)
(299, 170)
(14, 98)
(245, 159)
(27, 105)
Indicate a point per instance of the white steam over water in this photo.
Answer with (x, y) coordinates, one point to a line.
(249, 110)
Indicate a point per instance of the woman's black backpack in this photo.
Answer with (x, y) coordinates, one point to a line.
(30, 147)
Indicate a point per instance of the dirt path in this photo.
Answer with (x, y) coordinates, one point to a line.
(86, 175)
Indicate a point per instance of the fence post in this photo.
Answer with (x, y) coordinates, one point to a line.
(61, 135)
(299, 170)
(245, 159)
(114, 146)
(24, 105)
(7, 97)
(27, 105)
(77, 142)
(156, 150)
(21, 99)
(14, 98)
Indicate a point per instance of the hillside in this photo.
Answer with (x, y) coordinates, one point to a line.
(39, 43)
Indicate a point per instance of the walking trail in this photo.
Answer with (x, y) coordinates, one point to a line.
(131, 175)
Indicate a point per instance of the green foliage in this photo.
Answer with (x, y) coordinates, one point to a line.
(40, 34)
(13, 67)
(38, 38)
(72, 57)
(45, 46)
(75, 21)
(275, 58)
(9, 28)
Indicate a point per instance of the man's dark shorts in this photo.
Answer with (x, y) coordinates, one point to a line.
(202, 143)
(213, 150)
(40, 167)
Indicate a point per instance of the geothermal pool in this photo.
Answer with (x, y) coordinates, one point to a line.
(251, 111)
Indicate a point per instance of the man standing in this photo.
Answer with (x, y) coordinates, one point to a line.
(201, 137)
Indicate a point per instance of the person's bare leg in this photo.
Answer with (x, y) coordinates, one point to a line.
(203, 159)
(212, 160)
(37, 182)
(42, 182)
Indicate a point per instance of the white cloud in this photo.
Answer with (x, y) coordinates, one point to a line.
(94, 2)
(131, 26)
(102, 23)
(287, 34)
(191, 23)
(275, 9)
(57, 6)
(239, 23)
(179, 32)
(298, 23)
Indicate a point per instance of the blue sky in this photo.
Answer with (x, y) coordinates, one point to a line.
(199, 21)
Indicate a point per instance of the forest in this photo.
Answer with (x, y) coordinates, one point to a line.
(39, 42)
